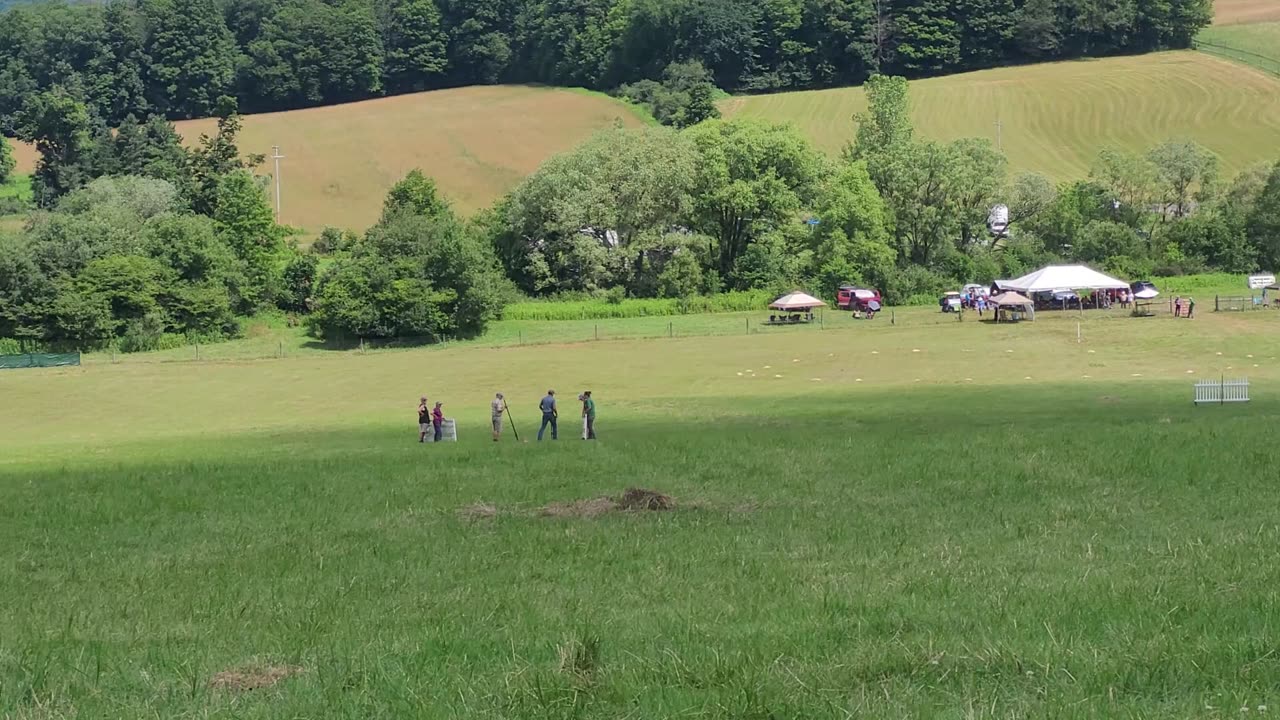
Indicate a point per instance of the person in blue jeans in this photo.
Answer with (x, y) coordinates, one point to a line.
(548, 408)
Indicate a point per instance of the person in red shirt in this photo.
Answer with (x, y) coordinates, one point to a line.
(437, 419)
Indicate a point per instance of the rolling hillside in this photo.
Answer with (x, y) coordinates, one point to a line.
(1055, 117)
(1256, 44)
(476, 142)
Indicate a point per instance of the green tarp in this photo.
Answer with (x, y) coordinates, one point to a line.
(35, 360)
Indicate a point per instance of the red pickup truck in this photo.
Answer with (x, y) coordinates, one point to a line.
(851, 297)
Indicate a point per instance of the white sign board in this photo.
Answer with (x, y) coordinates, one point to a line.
(998, 220)
(1257, 282)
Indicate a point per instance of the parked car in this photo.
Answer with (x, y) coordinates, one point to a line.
(1064, 299)
(851, 297)
(950, 302)
(1144, 290)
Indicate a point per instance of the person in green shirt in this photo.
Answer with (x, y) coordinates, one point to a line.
(589, 410)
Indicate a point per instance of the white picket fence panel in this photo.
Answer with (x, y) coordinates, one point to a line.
(1222, 391)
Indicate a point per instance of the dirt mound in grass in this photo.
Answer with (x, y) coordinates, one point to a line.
(641, 499)
(633, 500)
(252, 677)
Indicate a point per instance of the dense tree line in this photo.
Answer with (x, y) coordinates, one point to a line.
(175, 58)
(142, 243)
(727, 205)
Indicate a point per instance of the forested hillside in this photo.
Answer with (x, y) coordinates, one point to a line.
(177, 57)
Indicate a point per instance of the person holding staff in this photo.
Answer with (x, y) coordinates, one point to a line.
(496, 409)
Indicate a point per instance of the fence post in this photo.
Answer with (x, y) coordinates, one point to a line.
(748, 325)
(361, 346)
(671, 332)
(893, 317)
(1215, 303)
(520, 337)
(597, 330)
(281, 348)
(197, 351)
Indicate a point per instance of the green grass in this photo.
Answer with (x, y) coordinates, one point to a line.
(601, 309)
(18, 186)
(913, 520)
(1256, 44)
(1055, 117)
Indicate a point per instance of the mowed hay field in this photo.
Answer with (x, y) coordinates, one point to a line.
(476, 142)
(1057, 116)
(884, 521)
(1232, 12)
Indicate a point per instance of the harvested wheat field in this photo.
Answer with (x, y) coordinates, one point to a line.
(1055, 117)
(1235, 12)
(476, 142)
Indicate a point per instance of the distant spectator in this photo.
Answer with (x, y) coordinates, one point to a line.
(1177, 306)
(589, 409)
(424, 419)
(549, 415)
(437, 420)
(1191, 307)
(495, 411)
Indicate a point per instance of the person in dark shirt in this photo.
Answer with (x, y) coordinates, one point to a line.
(424, 419)
(437, 420)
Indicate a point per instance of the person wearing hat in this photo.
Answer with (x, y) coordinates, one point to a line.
(495, 411)
(437, 421)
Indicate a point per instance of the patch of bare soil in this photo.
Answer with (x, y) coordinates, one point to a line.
(252, 677)
(633, 500)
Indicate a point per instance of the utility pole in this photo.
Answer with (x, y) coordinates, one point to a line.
(999, 134)
(275, 155)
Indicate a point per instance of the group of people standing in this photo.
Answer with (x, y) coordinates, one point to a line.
(1180, 304)
(550, 415)
(430, 420)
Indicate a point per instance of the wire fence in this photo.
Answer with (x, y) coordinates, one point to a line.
(1262, 62)
(502, 334)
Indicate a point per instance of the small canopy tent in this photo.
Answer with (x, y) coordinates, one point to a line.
(1009, 301)
(1063, 277)
(796, 302)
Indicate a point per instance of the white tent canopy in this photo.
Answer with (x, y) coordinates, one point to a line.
(796, 301)
(1064, 277)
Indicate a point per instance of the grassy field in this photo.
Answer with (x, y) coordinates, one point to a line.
(914, 520)
(1055, 117)
(476, 142)
(18, 186)
(1236, 12)
(1256, 44)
